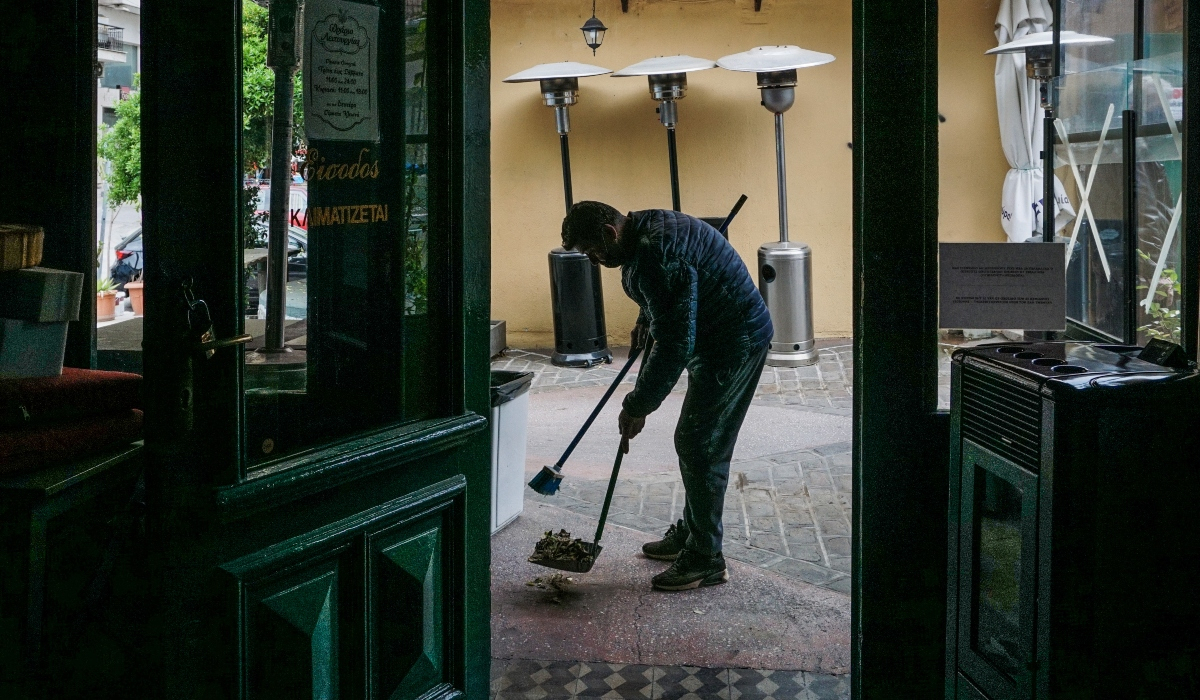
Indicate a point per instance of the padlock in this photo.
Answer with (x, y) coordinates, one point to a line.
(201, 325)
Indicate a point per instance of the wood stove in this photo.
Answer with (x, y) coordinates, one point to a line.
(1073, 499)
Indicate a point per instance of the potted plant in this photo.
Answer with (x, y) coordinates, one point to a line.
(134, 289)
(106, 299)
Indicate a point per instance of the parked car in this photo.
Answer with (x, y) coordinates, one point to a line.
(297, 272)
(297, 203)
(128, 259)
(129, 262)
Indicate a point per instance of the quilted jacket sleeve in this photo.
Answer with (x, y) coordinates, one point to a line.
(671, 296)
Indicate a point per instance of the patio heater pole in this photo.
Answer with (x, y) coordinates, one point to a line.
(781, 177)
(282, 57)
(673, 155)
(562, 120)
(667, 88)
(667, 76)
(1039, 66)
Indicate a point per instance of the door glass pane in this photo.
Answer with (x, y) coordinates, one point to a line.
(1160, 174)
(1116, 20)
(1090, 163)
(980, 148)
(345, 347)
(119, 259)
(997, 572)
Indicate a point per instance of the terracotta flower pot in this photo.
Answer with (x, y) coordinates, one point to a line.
(135, 291)
(106, 306)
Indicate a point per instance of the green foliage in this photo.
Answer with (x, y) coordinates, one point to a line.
(416, 230)
(105, 285)
(254, 223)
(121, 146)
(1165, 316)
(258, 90)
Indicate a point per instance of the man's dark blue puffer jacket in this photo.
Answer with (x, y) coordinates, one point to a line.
(696, 295)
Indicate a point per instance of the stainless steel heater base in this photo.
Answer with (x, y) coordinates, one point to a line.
(785, 281)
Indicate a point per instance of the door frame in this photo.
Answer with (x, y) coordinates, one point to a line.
(901, 441)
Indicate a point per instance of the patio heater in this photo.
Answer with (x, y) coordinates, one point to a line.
(576, 293)
(1039, 65)
(784, 267)
(668, 84)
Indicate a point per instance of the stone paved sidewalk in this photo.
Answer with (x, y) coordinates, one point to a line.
(823, 387)
(789, 513)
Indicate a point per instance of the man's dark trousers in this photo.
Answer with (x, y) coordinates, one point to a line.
(718, 395)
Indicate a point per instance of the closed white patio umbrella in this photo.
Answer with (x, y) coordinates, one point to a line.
(1019, 106)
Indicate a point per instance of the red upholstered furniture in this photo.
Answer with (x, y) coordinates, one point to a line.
(51, 420)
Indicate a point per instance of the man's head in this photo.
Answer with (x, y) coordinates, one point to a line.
(594, 229)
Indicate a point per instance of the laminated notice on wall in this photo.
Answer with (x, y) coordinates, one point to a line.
(341, 50)
(1003, 285)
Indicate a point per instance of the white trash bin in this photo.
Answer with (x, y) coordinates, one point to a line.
(510, 416)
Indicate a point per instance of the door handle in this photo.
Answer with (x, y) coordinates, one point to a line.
(211, 346)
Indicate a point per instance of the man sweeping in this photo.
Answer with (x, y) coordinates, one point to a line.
(705, 314)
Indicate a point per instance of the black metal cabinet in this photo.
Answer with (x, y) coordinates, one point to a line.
(1072, 485)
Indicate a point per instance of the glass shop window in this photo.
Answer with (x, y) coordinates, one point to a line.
(1117, 103)
(1119, 155)
(352, 337)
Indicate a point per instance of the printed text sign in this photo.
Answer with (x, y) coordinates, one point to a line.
(1002, 285)
(341, 49)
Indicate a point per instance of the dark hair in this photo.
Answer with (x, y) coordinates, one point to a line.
(585, 222)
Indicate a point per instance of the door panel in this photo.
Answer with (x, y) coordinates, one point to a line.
(406, 612)
(291, 627)
(302, 619)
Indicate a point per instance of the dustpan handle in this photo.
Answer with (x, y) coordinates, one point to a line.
(612, 485)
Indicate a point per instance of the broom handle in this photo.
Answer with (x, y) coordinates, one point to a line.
(633, 355)
(612, 485)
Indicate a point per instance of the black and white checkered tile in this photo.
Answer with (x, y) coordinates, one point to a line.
(557, 680)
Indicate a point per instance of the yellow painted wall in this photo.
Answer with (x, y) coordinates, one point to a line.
(972, 164)
(726, 140)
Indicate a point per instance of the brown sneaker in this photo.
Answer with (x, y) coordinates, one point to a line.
(670, 545)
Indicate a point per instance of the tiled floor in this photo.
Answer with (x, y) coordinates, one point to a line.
(552, 680)
(788, 513)
(823, 387)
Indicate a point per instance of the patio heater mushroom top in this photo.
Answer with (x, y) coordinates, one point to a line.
(559, 81)
(768, 59)
(668, 79)
(1039, 53)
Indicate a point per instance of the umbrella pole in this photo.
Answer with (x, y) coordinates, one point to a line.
(674, 158)
(781, 171)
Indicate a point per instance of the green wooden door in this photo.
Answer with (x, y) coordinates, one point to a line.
(319, 517)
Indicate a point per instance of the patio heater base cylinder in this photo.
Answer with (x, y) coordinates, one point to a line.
(785, 281)
(577, 298)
